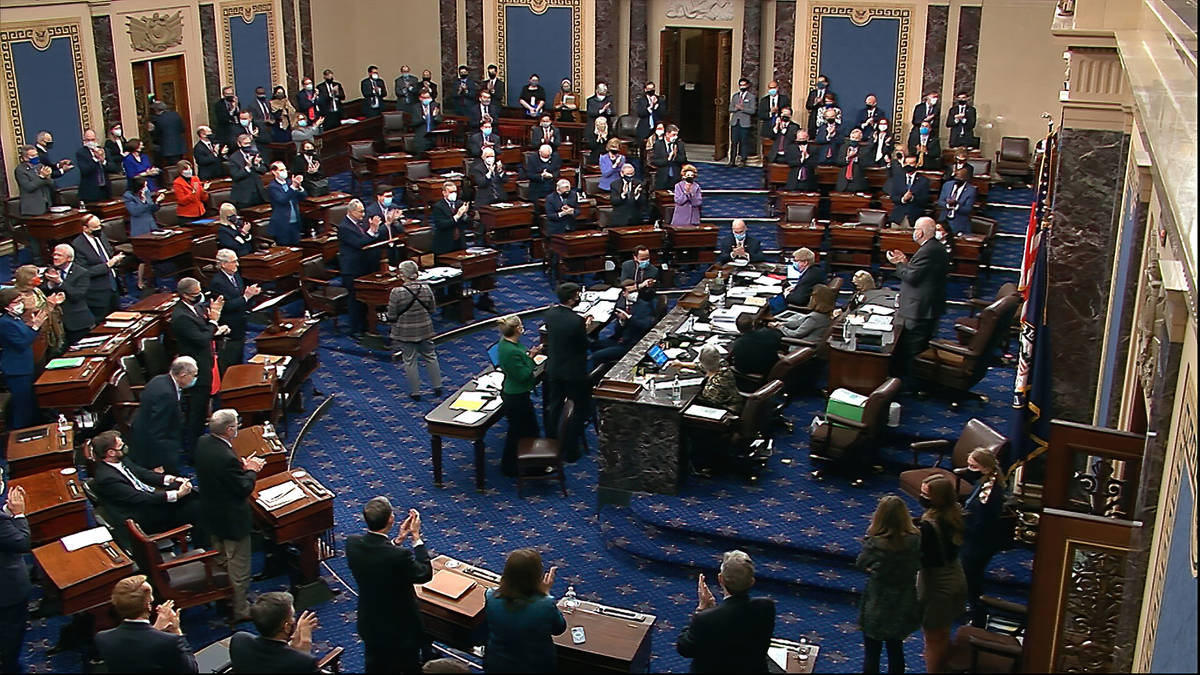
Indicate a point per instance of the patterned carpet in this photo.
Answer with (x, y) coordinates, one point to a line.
(802, 533)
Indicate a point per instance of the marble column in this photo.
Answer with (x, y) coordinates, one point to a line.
(606, 43)
(474, 19)
(290, 54)
(208, 43)
(448, 13)
(1087, 204)
(752, 42)
(3, 183)
(936, 22)
(637, 48)
(106, 66)
(966, 59)
(785, 44)
(306, 39)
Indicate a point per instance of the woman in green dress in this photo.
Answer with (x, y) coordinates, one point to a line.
(517, 364)
(888, 611)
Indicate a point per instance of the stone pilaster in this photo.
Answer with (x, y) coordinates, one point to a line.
(474, 19)
(606, 44)
(290, 55)
(306, 38)
(637, 48)
(936, 22)
(448, 13)
(106, 66)
(208, 42)
(966, 60)
(785, 44)
(751, 43)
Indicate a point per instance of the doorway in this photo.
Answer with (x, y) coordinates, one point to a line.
(694, 74)
(166, 80)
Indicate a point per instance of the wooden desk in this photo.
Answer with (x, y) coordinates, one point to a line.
(160, 305)
(83, 579)
(54, 504)
(777, 174)
(801, 658)
(36, 449)
(580, 252)
(297, 338)
(272, 264)
(161, 244)
(629, 239)
(861, 370)
(333, 146)
(389, 163)
(446, 158)
(795, 235)
(54, 228)
(848, 204)
(617, 640)
(253, 440)
(302, 522)
(478, 268)
(693, 244)
(852, 244)
(143, 326)
(249, 388)
(78, 387)
(325, 245)
(441, 423)
(786, 199)
(112, 208)
(506, 224)
(315, 207)
(429, 189)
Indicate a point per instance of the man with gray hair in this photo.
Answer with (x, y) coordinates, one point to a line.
(156, 434)
(732, 637)
(226, 482)
(561, 208)
(922, 294)
(803, 275)
(356, 259)
(228, 284)
(73, 281)
(196, 326)
(410, 311)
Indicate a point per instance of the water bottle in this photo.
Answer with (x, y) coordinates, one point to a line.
(307, 315)
(651, 385)
(675, 393)
(569, 601)
(82, 207)
(802, 652)
(63, 424)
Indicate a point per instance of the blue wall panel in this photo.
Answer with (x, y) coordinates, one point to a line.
(251, 56)
(537, 43)
(860, 60)
(49, 100)
(1175, 641)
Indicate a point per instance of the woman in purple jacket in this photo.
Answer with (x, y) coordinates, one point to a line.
(687, 198)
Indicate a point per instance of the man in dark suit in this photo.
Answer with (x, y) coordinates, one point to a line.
(157, 429)
(485, 110)
(635, 314)
(44, 143)
(668, 157)
(389, 621)
(406, 87)
(196, 327)
(639, 272)
(599, 104)
(882, 146)
(285, 193)
(566, 367)
(927, 112)
(648, 108)
(782, 133)
(739, 244)
(493, 84)
(756, 349)
(850, 165)
(157, 502)
(373, 92)
(73, 281)
(489, 178)
(542, 171)
(909, 193)
(801, 159)
(922, 293)
(426, 117)
(562, 205)
(803, 275)
(923, 143)
(869, 117)
(284, 642)
(224, 117)
(464, 92)
(486, 137)
(957, 201)
(228, 284)
(450, 217)
(95, 253)
(960, 119)
(628, 198)
(829, 140)
(94, 185)
(815, 102)
(167, 133)
(355, 234)
(330, 96)
(35, 182)
(545, 133)
(732, 637)
(138, 646)
(246, 167)
(225, 486)
(209, 155)
(15, 542)
(770, 107)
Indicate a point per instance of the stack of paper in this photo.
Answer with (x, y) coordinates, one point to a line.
(280, 495)
(879, 323)
(96, 535)
(880, 310)
(438, 273)
(118, 324)
(469, 416)
(600, 310)
(492, 380)
(705, 412)
(469, 400)
(610, 293)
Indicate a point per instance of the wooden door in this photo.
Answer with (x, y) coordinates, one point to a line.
(141, 90)
(724, 54)
(668, 71)
(170, 87)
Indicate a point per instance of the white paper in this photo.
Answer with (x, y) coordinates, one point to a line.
(492, 404)
(610, 293)
(779, 655)
(880, 323)
(848, 397)
(705, 412)
(691, 382)
(280, 495)
(96, 535)
(880, 309)
(492, 380)
(674, 352)
(118, 324)
(469, 416)
(600, 311)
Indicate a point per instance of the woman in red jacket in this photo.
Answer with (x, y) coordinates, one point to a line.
(191, 196)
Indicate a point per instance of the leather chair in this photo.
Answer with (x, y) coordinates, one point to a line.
(134, 372)
(975, 434)
(218, 197)
(359, 170)
(801, 213)
(123, 400)
(980, 650)
(538, 453)
(12, 208)
(750, 442)
(167, 214)
(68, 196)
(395, 130)
(872, 217)
(1013, 159)
(153, 354)
(204, 255)
(625, 128)
(118, 235)
(848, 445)
(966, 327)
(413, 172)
(119, 183)
(321, 298)
(955, 368)
(190, 578)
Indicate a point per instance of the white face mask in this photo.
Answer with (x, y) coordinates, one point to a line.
(283, 175)
(452, 196)
(186, 173)
(917, 236)
(489, 160)
(17, 309)
(939, 235)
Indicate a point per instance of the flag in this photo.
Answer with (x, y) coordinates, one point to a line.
(1030, 428)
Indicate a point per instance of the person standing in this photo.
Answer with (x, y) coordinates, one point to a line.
(450, 217)
(191, 195)
(815, 102)
(156, 434)
(223, 116)
(35, 182)
(732, 637)
(228, 284)
(373, 92)
(909, 193)
(330, 96)
(406, 87)
(73, 281)
(522, 618)
(138, 646)
(769, 108)
(465, 92)
(742, 109)
(285, 193)
(561, 207)
(888, 610)
(166, 130)
(15, 542)
(209, 155)
(389, 621)
(669, 156)
(246, 168)
(983, 534)
(647, 108)
(688, 198)
(225, 484)
(410, 311)
(922, 293)
(566, 367)
(518, 365)
(355, 234)
(628, 198)
(957, 201)
(196, 326)
(927, 113)
(941, 584)
(961, 122)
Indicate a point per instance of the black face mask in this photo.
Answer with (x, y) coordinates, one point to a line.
(649, 92)
(310, 151)
(925, 502)
(425, 79)
(971, 475)
(229, 99)
(261, 97)
(690, 179)
(909, 169)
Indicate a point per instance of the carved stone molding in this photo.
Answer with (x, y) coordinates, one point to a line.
(700, 10)
(155, 33)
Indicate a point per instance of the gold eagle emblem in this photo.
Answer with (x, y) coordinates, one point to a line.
(156, 33)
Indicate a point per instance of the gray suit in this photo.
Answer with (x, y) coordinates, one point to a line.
(922, 301)
(741, 122)
(37, 193)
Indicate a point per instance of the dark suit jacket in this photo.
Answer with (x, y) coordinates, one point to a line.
(16, 346)
(352, 258)
(247, 188)
(250, 653)
(752, 245)
(802, 290)
(896, 187)
(283, 201)
(641, 108)
(232, 239)
(889, 150)
(447, 232)
(628, 210)
(224, 122)
(796, 161)
(860, 121)
(551, 138)
(858, 180)
(387, 605)
(15, 542)
(732, 637)
(137, 647)
(961, 222)
(101, 280)
(325, 101)
(168, 134)
(156, 434)
(236, 307)
(923, 110)
(540, 187)
(765, 120)
(961, 134)
(812, 103)
(757, 351)
(829, 144)
(224, 488)
(124, 500)
(475, 113)
(209, 165)
(557, 223)
(566, 344)
(475, 143)
(630, 271)
(923, 283)
(373, 93)
(75, 284)
(194, 338)
(668, 171)
(94, 185)
(933, 149)
(36, 193)
(489, 188)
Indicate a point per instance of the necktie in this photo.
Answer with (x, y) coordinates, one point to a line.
(851, 158)
(95, 241)
(233, 280)
(910, 180)
(137, 484)
(428, 119)
(266, 109)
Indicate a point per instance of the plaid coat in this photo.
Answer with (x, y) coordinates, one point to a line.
(410, 308)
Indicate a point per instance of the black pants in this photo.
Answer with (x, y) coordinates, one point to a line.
(232, 353)
(184, 511)
(913, 340)
(975, 557)
(356, 310)
(895, 651)
(14, 619)
(579, 390)
(387, 659)
(739, 141)
(522, 423)
(196, 416)
(108, 306)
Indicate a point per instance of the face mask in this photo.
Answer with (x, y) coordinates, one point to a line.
(925, 503)
(453, 196)
(649, 92)
(425, 78)
(822, 85)
(262, 96)
(533, 85)
(329, 79)
(485, 102)
(245, 149)
(643, 264)
(545, 125)
(908, 168)
(229, 99)
(939, 235)
(739, 235)
(690, 179)
(917, 236)
(245, 123)
(186, 173)
(933, 101)
(48, 144)
(658, 132)
(485, 130)
(743, 87)
(374, 76)
(924, 131)
(829, 104)
(308, 87)
(971, 475)
(282, 175)
(310, 151)
(962, 101)
(191, 383)
(785, 118)
(600, 97)
(302, 123)
(17, 309)
(882, 128)
(425, 102)
(489, 160)
(772, 91)
(116, 132)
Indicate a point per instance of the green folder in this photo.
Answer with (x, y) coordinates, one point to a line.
(74, 362)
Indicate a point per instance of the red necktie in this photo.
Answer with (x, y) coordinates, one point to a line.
(850, 167)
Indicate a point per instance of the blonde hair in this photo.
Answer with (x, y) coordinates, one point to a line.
(508, 325)
(23, 275)
(944, 508)
(891, 521)
(863, 280)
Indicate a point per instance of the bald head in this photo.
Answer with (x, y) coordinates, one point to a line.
(738, 227)
(923, 229)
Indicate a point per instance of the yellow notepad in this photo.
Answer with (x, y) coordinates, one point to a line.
(468, 400)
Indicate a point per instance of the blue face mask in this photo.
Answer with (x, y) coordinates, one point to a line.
(387, 201)
(739, 237)
(772, 91)
(643, 264)
(35, 160)
(190, 384)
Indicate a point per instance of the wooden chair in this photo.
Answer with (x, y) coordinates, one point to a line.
(122, 399)
(538, 453)
(134, 371)
(321, 298)
(360, 171)
(842, 443)
(204, 255)
(191, 578)
(975, 434)
(395, 130)
(154, 356)
(983, 650)
(953, 368)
